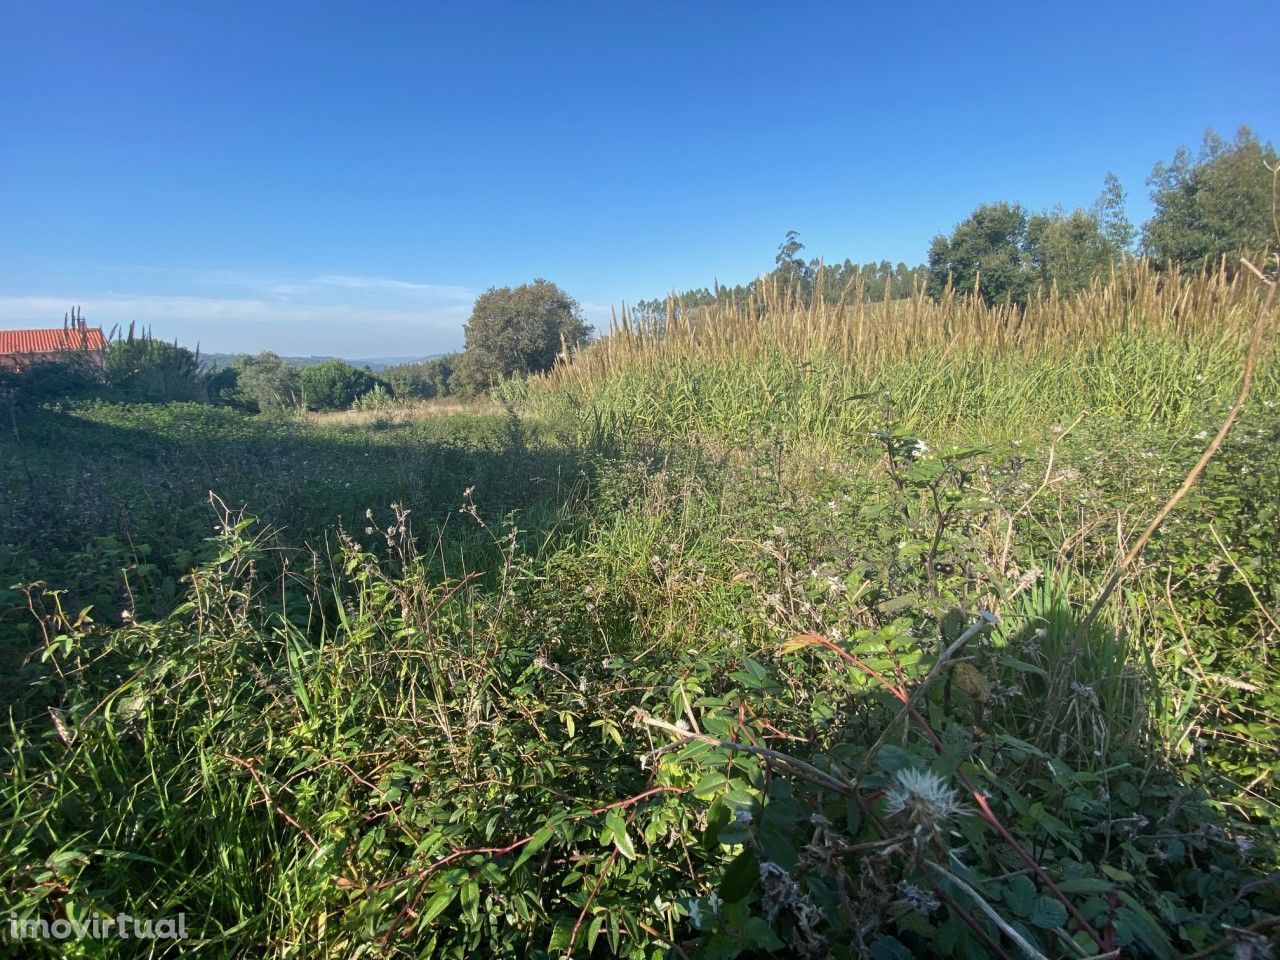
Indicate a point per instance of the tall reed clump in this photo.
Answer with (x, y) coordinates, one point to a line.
(1141, 345)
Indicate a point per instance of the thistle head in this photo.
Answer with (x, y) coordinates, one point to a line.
(926, 801)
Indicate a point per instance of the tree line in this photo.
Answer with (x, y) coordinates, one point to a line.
(512, 332)
(1207, 208)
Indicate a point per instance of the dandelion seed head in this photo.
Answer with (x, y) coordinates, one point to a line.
(923, 796)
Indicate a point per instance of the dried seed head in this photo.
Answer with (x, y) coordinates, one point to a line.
(926, 800)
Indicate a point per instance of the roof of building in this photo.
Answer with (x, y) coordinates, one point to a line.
(52, 340)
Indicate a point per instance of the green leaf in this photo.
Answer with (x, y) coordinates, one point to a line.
(1020, 895)
(560, 936)
(891, 759)
(593, 931)
(437, 904)
(740, 877)
(1048, 913)
(1022, 666)
(709, 785)
(887, 948)
(1084, 885)
(617, 825)
(1115, 873)
(760, 934)
(469, 898)
(540, 840)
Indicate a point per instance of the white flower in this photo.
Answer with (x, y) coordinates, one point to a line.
(924, 796)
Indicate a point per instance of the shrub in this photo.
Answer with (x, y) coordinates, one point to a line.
(379, 398)
(266, 383)
(143, 368)
(333, 384)
(70, 376)
(408, 381)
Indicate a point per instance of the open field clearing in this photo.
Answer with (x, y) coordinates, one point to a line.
(763, 633)
(668, 481)
(400, 413)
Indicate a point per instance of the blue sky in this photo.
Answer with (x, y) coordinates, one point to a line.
(319, 178)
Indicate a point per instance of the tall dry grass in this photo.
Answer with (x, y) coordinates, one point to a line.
(1140, 344)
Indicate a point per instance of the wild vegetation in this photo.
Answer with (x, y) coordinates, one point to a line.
(762, 635)
(775, 625)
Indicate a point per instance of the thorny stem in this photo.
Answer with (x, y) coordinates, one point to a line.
(919, 692)
(808, 771)
(984, 808)
(1246, 385)
(1231, 938)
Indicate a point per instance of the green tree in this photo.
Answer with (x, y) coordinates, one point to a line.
(223, 386)
(1218, 205)
(267, 382)
(333, 384)
(423, 380)
(439, 374)
(984, 254)
(408, 381)
(515, 331)
(1069, 249)
(1109, 209)
(788, 263)
(1007, 254)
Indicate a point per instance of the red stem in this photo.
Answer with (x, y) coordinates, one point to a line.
(986, 812)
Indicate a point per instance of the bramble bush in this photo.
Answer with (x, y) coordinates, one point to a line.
(751, 707)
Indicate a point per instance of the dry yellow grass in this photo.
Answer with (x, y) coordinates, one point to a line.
(865, 334)
(401, 412)
(1140, 345)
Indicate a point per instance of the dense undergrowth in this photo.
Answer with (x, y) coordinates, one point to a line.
(799, 674)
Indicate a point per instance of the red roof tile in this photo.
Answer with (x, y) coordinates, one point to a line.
(51, 340)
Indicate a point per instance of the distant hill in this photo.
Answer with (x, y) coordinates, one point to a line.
(215, 361)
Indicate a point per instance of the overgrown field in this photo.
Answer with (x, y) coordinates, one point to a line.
(759, 634)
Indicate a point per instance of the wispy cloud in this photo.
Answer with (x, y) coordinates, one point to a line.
(351, 282)
(232, 324)
(110, 308)
(297, 284)
(234, 310)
